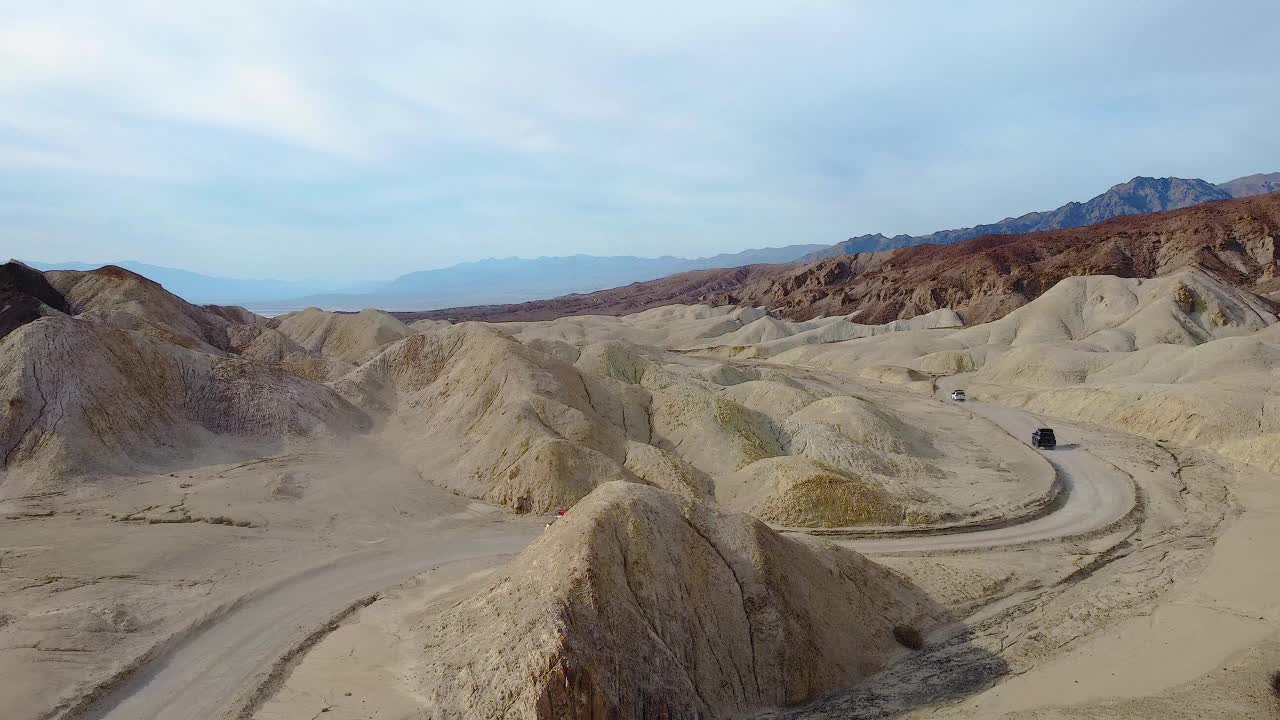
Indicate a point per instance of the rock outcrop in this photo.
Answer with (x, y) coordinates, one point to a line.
(25, 295)
(485, 416)
(86, 398)
(1186, 358)
(347, 337)
(125, 300)
(640, 604)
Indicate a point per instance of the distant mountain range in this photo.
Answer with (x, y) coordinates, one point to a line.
(1139, 196)
(981, 279)
(1259, 184)
(491, 280)
(513, 280)
(203, 289)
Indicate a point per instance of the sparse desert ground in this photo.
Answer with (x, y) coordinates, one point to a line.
(208, 514)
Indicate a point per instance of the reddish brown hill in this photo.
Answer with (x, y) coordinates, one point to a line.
(982, 279)
(689, 288)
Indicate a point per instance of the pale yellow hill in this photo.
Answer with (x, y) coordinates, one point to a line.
(1184, 358)
(114, 296)
(639, 604)
(86, 398)
(349, 337)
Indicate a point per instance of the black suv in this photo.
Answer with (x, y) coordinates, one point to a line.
(1043, 438)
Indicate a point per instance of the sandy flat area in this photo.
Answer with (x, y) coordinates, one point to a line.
(206, 514)
(93, 586)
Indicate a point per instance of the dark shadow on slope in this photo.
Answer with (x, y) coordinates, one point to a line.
(25, 296)
(947, 670)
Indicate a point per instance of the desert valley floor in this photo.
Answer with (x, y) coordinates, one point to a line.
(205, 513)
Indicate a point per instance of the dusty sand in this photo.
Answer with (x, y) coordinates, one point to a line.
(1123, 575)
(90, 581)
(1149, 607)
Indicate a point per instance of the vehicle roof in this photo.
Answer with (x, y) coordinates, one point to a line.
(1044, 430)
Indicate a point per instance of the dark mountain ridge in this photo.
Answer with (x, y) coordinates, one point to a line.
(1141, 195)
(25, 294)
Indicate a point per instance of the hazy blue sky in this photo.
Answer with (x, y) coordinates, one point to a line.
(305, 138)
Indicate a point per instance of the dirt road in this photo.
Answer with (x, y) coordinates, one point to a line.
(204, 674)
(1096, 495)
(207, 673)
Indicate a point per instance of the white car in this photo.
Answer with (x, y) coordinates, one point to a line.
(957, 395)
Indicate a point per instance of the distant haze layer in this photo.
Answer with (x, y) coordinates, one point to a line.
(513, 280)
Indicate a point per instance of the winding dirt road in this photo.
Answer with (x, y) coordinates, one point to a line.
(1096, 496)
(210, 672)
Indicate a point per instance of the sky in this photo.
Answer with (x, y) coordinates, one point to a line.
(367, 139)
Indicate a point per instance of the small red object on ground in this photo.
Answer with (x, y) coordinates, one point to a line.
(561, 511)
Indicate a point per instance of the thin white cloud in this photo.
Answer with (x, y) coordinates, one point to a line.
(360, 82)
(570, 126)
